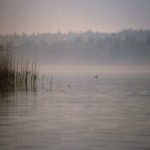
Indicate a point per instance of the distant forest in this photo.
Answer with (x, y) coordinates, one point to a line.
(125, 47)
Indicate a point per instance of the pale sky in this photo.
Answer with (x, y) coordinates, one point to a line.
(73, 15)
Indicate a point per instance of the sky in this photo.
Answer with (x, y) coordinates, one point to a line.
(38, 16)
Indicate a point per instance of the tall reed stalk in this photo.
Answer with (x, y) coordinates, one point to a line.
(15, 74)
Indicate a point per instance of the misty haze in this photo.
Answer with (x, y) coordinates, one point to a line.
(123, 49)
(74, 75)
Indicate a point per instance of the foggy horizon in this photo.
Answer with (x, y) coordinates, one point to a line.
(76, 32)
(124, 51)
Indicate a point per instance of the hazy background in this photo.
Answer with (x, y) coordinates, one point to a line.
(103, 33)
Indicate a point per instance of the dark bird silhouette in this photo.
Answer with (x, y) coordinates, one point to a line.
(96, 76)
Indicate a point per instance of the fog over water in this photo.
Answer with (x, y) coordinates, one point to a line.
(127, 50)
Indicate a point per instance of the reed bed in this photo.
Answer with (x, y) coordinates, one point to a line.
(15, 73)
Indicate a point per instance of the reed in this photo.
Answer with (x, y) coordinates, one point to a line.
(15, 74)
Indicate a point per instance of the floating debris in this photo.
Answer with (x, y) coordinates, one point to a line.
(68, 85)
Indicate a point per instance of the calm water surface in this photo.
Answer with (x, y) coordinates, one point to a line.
(81, 112)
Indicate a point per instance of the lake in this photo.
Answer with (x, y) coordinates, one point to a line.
(77, 111)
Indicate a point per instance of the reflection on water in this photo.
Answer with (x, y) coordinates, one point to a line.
(80, 113)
